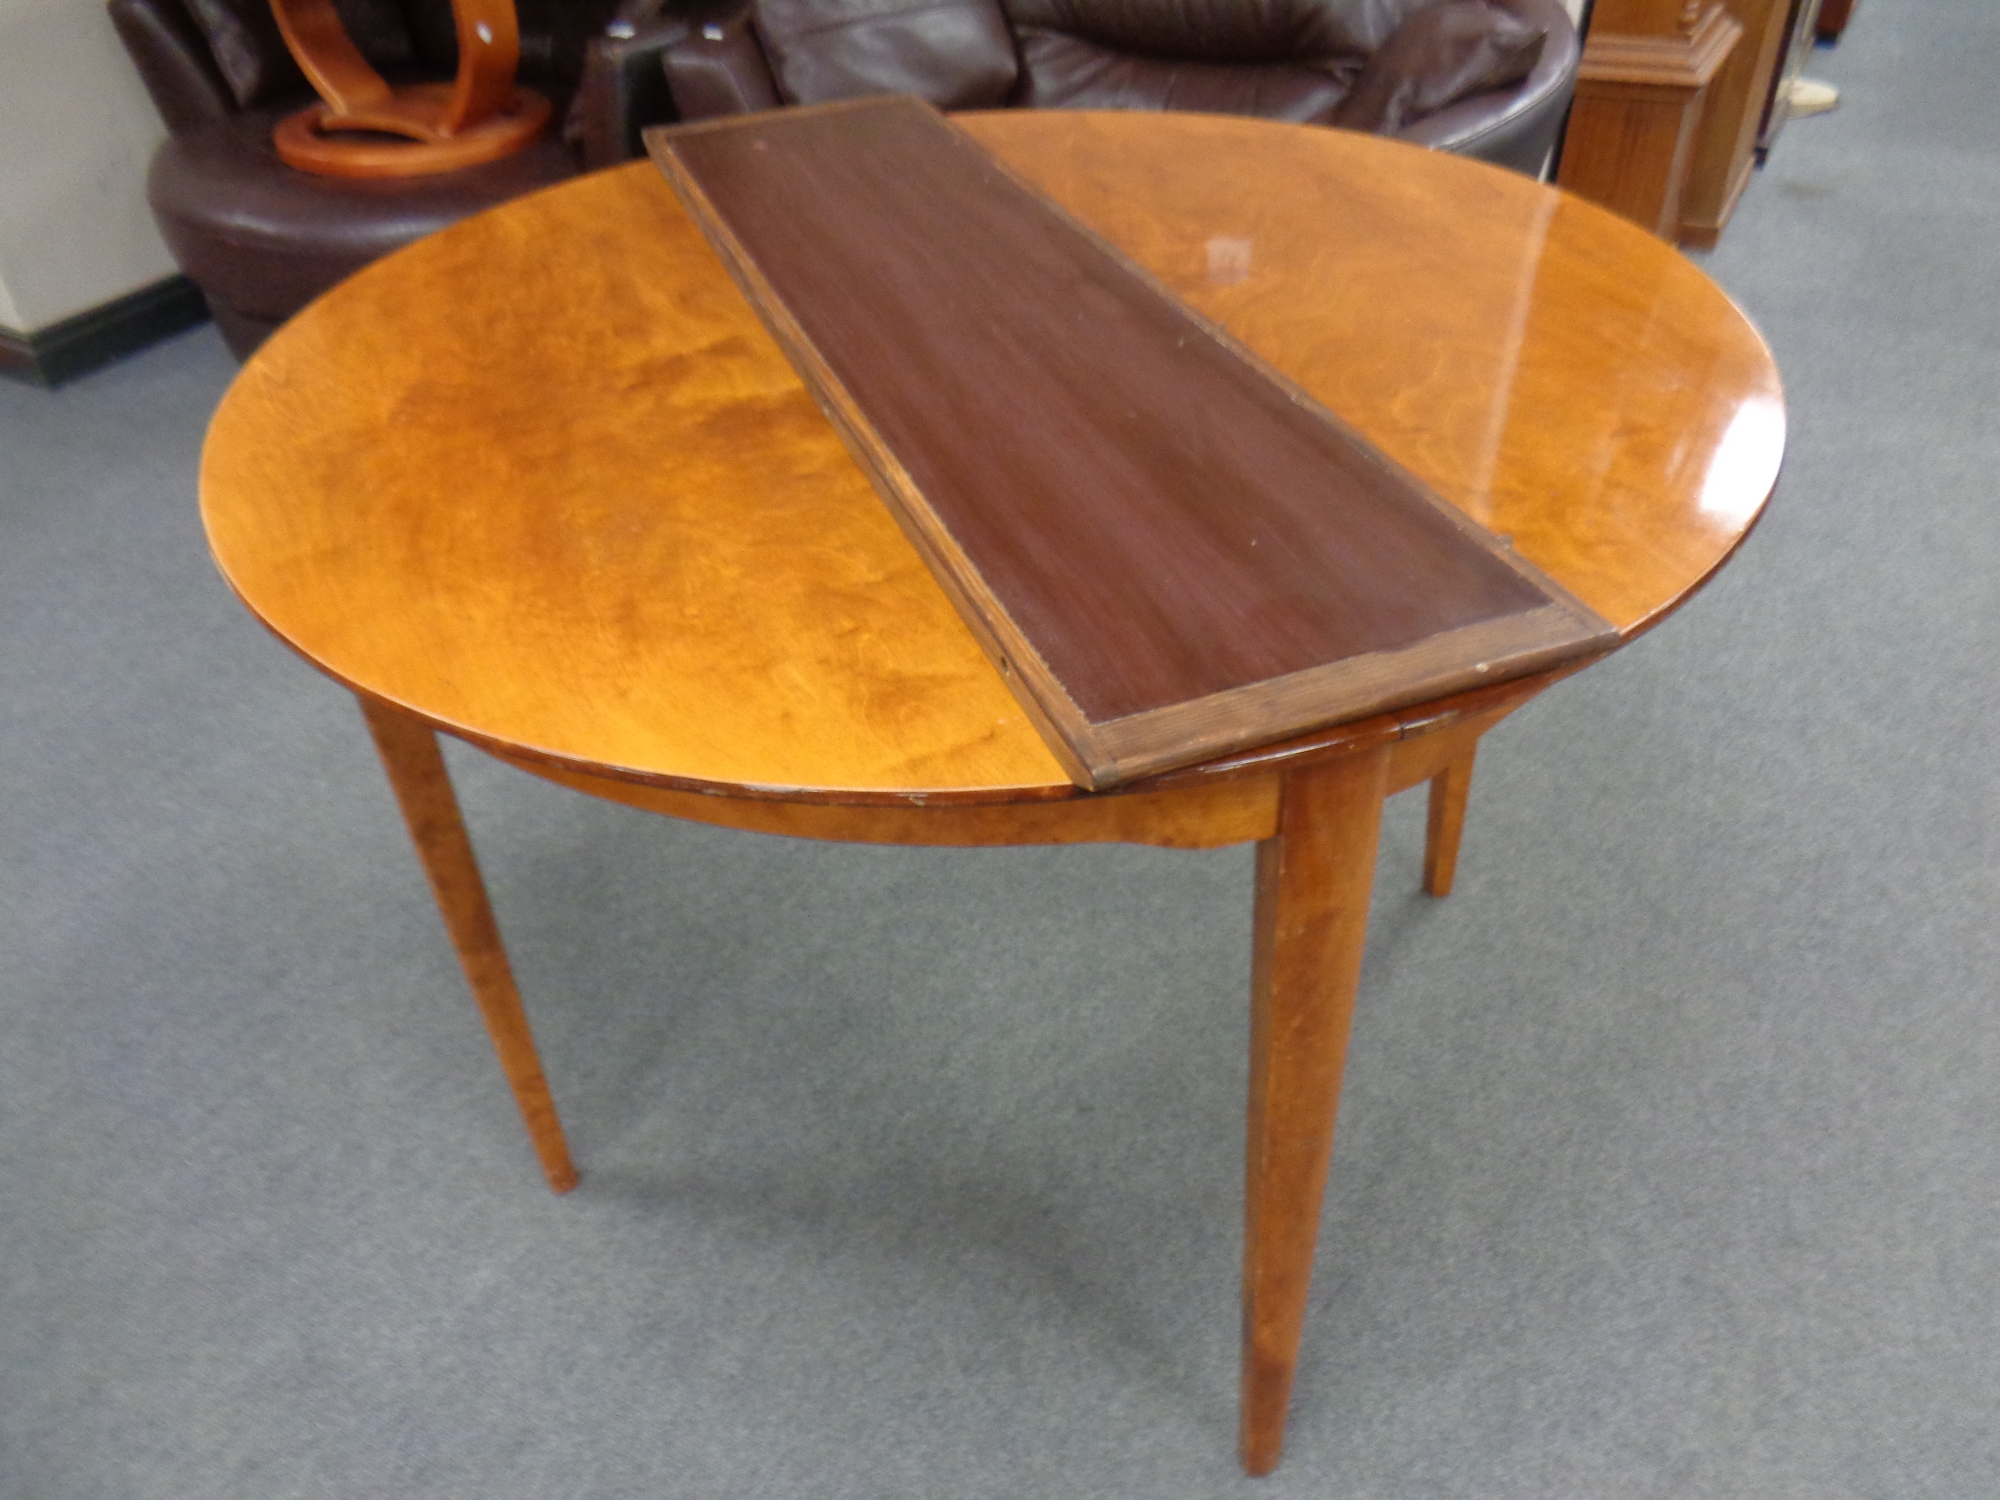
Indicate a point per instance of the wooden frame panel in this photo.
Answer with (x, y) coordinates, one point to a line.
(1087, 466)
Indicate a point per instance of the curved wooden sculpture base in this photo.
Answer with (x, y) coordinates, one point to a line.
(479, 116)
(316, 139)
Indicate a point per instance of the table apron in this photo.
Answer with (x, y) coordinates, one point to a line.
(1235, 809)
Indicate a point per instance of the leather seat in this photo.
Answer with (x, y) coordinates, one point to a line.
(262, 239)
(1485, 78)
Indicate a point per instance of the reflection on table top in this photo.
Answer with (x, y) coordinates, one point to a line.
(544, 479)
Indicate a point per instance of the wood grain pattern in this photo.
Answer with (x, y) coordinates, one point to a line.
(1169, 550)
(1313, 885)
(1220, 805)
(333, 65)
(543, 480)
(524, 565)
(1640, 96)
(1725, 142)
(316, 140)
(423, 791)
(489, 50)
(1207, 816)
(435, 127)
(1445, 823)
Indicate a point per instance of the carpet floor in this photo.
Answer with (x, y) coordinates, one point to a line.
(1669, 1164)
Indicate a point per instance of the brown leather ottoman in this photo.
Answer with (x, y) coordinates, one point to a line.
(261, 240)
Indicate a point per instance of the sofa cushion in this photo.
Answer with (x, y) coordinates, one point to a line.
(251, 54)
(955, 53)
(379, 29)
(243, 35)
(1064, 72)
(1229, 31)
(555, 35)
(718, 69)
(1444, 52)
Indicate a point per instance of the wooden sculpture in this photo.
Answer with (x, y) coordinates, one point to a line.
(437, 127)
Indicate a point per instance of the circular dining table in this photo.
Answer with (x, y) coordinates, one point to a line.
(544, 482)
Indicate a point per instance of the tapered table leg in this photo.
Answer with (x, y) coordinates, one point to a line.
(1313, 885)
(416, 770)
(1449, 789)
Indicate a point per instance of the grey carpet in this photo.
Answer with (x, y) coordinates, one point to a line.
(1667, 1165)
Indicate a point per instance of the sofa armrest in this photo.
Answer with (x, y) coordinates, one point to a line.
(1517, 127)
(625, 82)
(174, 62)
(621, 89)
(719, 69)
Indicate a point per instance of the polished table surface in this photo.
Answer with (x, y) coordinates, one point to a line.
(544, 482)
(577, 456)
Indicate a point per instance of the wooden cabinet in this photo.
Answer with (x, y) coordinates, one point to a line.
(1647, 69)
(1676, 102)
(1791, 63)
(1833, 17)
(1725, 142)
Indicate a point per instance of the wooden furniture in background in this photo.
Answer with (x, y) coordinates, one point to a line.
(1791, 65)
(1647, 67)
(614, 542)
(1833, 18)
(1725, 143)
(480, 116)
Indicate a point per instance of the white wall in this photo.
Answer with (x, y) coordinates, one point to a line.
(10, 316)
(76, 132)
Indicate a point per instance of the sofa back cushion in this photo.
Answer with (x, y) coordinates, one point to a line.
(249, 52)
(251, 55)
(1059, 71)
(1225, 31)
(555, 35)
(397, 36)
(958, 54)
(1447, 51)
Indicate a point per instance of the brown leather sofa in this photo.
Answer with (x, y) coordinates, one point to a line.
(261, 239)
(1486, 78)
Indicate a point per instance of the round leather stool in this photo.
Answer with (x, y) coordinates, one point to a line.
(262, 240)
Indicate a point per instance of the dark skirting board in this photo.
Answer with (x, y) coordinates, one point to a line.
(1170, 551)
(96, 336)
